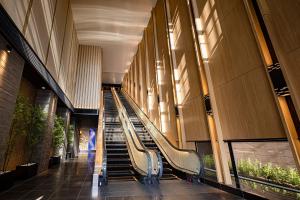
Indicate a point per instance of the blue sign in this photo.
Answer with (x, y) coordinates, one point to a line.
(92, 140)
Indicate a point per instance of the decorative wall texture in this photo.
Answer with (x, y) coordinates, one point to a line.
(88, 78)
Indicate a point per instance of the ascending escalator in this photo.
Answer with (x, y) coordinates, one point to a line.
(168, 170)
(119, 166)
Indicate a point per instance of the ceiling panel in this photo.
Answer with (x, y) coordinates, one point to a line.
(115, 25)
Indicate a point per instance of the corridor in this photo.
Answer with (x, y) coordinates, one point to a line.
(73, 181)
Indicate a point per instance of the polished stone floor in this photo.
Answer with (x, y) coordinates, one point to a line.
(73, 181)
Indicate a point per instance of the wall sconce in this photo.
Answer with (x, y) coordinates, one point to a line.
(8, 48)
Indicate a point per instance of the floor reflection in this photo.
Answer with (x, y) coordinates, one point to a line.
(73, 180)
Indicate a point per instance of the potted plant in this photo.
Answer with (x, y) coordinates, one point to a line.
(19, 125)
(70, 140)
(35, 128)
(58, 140)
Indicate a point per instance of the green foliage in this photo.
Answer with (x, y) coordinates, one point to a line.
(36, 127)
(208, 161)
(70, 135)
(288, 176)
(58, 133)
(255, 169)
(27, 120)
(20, 122)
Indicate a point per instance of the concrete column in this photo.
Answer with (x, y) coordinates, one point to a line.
(11, 68)
(48, 102)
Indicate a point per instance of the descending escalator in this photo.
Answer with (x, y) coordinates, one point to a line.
(168, 171)
(119, 166)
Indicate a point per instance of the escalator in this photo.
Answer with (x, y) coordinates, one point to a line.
(169, 173)
(119, 166)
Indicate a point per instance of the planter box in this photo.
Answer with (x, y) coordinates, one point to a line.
(54, 161)
(26, 171)
(6, 180)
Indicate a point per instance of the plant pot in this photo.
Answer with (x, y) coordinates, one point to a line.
(26, 171)
(54, 161)
(6, 180)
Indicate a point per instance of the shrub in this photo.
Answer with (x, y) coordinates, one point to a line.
(58, 134)
(20, 123)
(70, 135)
(289, 176)
(208, 161)
(36, 128)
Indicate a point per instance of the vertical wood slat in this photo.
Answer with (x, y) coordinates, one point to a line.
(88, 77)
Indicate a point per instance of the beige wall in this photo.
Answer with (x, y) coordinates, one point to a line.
(283, 24)
(245, 103)
(151, 75)
(188, 85)
(49, 28)
(164, 75)
(88, 78)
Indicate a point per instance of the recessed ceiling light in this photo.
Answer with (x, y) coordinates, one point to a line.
(8, 48)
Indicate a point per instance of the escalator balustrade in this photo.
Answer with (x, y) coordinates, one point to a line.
(119, 166)
(169, 173)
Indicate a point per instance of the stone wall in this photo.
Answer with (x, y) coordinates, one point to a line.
(11, 68)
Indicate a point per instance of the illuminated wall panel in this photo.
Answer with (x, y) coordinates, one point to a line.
(151, 75)
(188, 85)
(282, 21)
(137, 79)
(164, 75)
(142, 61)
(245, 103)
(11, 68)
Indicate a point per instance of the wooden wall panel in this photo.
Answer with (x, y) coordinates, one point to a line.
(17, 10)
(57, 37)
(72, 68)
(245, 103)
(131, 81)
(39, 27)
(143, 91)
(136, 80)
(11, 68)
(188, 85)
(151, 74)
(50, 31)
(66, 52)
(164, 74)
(88, 77)
(282, 19)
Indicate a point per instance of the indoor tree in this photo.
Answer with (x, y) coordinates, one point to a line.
(70, 137)
(36, 128)
(20, 122)
(58, 134)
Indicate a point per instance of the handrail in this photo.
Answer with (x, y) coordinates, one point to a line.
(185, 160)
(144, 161)
(138, 141)
(100, 169)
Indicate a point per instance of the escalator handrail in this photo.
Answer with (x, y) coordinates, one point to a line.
(103, 171)
(176, 148)
(149, 169)
(140, 141)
